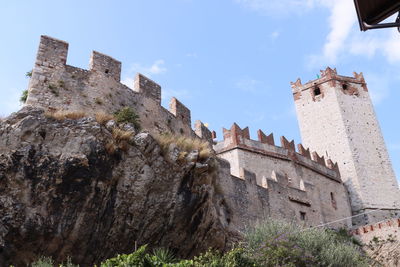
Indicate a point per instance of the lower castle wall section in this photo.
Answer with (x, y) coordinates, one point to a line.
(320, 200)
(251, 203)
(383, 230)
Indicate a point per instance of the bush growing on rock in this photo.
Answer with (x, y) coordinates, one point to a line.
(24, 96)
(128, 115)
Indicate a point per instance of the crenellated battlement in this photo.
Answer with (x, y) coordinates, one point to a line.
(148, 87)
(236, 137)
(51, 53)
(348, 85)
(57, 86)
(180, 111)
(105, 65)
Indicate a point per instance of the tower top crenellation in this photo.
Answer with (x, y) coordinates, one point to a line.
(327, 75)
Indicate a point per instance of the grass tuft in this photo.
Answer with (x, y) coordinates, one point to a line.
(185, 144)
(61, 115)
(120, 141)
(121, 135)
(103, 118)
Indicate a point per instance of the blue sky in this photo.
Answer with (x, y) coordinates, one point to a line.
(227, 60)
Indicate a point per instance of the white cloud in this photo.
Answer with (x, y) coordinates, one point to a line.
(274, 35)
(180, 94)
(158, 67)
(378, 86)
(128, 82)
(341, 20)
(345, 38)
(280, 7)
(192, 55)
(9, 102)
(248, 84)
(392, 47)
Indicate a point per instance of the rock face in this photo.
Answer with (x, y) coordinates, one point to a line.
(62, 193)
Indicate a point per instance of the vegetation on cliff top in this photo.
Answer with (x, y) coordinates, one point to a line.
(128, 115)
(271, 243)
(185, 144)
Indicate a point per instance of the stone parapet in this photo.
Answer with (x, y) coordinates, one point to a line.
(106, 65)
(237, 138)
(328, 75)
(57, 86)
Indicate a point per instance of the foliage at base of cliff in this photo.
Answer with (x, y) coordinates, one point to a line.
(268, 244)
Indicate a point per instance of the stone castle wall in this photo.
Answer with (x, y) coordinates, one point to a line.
(285, 184)
(382, 230)
(57, 86)
(282, 182)
(337, 119)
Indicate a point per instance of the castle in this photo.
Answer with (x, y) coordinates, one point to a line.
(343, 169)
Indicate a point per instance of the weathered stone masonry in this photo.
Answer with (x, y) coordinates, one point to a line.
(260, 179)
(57, 86)
(295, 186)
(337, 119)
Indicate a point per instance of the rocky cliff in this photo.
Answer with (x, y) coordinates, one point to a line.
(63, 192)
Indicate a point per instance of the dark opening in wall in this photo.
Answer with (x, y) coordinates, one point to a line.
(333, 201)
(317, 91)
(302, 216)
(344, 86)
(107, 71)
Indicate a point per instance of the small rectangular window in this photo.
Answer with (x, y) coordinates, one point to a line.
(302, 216)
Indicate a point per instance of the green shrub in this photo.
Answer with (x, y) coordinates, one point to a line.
(136, 258)
(28, 74)
(237, 257)
(160, 257)
(277, 243)
(128, 115)
(24, 96)
(48, 262)
(43, 262)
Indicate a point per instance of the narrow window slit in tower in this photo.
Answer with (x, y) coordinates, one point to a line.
(333, 201)
(107, 71)
(317, 91)
(302, 216)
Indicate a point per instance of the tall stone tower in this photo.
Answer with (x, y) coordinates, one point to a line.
(337, 119)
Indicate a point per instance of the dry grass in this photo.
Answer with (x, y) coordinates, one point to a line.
(103, 118)
(111, 148)
(185, 144)
(65, 114)
(121, 135)
(120, 141)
